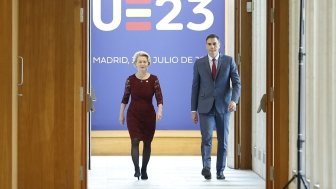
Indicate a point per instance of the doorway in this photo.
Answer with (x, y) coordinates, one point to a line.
(252, 136)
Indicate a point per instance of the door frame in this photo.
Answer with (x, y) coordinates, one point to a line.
(270, 95)
(85, 108)
(277, 129)
(277, 114)
(8, 82)
(281, 93)
(243, 117)
(277, 92)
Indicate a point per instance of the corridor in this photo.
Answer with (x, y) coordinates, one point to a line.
(166, 172)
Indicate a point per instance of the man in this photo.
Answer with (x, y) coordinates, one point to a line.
(214, 99)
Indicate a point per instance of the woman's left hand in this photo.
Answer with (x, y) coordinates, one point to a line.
(158, 115)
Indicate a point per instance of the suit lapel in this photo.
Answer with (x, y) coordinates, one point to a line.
(221, 64)
(206, 64)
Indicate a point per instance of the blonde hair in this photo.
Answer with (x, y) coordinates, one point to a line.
(141, 53)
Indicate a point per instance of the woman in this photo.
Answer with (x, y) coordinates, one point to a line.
(141, 117)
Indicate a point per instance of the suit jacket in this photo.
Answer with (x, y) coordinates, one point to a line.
(206, 91)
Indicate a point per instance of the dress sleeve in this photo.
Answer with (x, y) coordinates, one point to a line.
(127, 92)
(158, 93)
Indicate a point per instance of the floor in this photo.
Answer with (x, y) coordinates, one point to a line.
(165, 172)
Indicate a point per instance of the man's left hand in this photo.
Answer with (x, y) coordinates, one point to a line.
(232, 106)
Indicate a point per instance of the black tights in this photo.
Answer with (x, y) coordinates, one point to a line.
(145, 154)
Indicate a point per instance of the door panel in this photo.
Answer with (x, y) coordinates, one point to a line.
(259, 87)
(49, 125)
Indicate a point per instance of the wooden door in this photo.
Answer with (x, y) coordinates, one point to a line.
(6, 80)
(49, 109)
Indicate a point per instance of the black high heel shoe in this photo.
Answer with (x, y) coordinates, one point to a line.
(144, 175)
(137, 173)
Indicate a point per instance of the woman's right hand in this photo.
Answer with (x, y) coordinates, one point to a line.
(121, 119)
(121, 114)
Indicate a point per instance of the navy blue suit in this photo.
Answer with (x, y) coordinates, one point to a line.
(210, 98)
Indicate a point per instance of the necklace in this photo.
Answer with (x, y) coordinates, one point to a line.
(140, 76)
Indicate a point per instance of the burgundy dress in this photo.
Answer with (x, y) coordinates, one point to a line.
(141, 116)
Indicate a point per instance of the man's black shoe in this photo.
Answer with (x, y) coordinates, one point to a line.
(206, 173)
(220, 176)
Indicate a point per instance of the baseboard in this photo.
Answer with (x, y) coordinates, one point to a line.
(164, 143)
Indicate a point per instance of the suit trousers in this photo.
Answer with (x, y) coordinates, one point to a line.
(209, 121)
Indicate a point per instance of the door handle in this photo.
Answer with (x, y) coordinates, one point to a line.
(93, 95)
(91, 99)
(262, 105)
(21, 73)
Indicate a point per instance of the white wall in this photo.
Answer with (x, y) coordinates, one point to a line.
(320, 86)
(229, 50)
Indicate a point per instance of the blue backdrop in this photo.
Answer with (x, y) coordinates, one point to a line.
(172, 32)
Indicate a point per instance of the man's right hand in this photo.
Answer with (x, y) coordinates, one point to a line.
(194, 117)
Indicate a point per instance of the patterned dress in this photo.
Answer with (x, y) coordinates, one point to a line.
(141, 116)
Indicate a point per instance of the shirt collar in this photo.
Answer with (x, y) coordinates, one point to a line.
(210, 58)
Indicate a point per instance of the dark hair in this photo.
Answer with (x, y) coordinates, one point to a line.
(212, 36)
